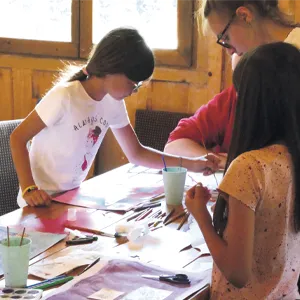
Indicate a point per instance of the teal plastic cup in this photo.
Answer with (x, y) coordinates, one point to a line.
(15, 261)
(174, 181)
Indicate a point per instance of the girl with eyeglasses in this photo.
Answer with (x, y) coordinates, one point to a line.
(68, 125)
(239, 26)
(254, 236)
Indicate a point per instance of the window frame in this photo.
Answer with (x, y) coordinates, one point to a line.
(81, 39)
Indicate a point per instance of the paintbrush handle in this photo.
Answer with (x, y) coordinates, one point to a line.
(183, 221)
(169, 215)
(145, 215)
(143, 207)
(134, 216)
(175, 218)
(142, 215)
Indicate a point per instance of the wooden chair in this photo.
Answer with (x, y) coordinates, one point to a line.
(153, 127)
(9, 185)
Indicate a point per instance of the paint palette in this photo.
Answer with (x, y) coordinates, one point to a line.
(20, 293)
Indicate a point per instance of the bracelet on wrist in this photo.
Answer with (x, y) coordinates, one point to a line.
(29, 189)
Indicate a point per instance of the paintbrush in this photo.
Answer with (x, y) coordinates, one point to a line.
(183, 221)
(207, 155)
(134, 216)
(169, 215)
(175, 218)
(22, 236)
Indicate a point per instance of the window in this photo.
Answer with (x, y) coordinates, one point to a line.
(69, 28)
(155, 19)
(37, 20)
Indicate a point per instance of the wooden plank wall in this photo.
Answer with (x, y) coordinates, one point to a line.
(25, 79)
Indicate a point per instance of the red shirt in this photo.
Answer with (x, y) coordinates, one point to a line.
(212, 123)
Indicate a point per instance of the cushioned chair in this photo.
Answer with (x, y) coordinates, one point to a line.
(153, 127)
(9, 184)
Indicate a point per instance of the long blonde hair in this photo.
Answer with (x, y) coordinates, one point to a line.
(264, 8)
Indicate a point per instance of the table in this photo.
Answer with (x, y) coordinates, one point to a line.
(188, 259)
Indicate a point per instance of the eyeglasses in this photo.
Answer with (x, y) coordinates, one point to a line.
(137, 86)
(221, 41)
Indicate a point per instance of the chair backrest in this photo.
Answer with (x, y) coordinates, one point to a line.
(153, 127)
(9, 184)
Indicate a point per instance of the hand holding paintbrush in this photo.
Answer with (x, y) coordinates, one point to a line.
(209, 172)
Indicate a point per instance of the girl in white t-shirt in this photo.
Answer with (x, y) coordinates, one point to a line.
(255, 234)
(69, 123)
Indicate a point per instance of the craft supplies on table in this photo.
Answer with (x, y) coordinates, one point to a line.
(20, 293)
(62, 262)
(119, 194)
(41, 241)
(124, 279)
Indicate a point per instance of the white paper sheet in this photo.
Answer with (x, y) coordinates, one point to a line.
(69, 259)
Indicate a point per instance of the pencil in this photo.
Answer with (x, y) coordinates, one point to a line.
(22, 236)
(169, 215)
(183, 221)
(175, 218)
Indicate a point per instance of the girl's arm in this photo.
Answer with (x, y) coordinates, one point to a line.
(148, 157)
(19, 138)
(233, 257)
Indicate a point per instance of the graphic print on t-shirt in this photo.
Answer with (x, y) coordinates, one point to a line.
(92, 139)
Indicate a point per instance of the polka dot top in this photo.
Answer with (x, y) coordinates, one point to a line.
(263, 181)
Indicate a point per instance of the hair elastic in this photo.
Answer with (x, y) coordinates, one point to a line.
(85, 72)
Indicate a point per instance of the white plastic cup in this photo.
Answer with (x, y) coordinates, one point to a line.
(174, 181)
(15, 261)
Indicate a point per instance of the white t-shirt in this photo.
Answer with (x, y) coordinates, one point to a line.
(263, 181)
(62, 153)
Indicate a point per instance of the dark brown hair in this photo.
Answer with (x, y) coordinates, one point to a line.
(267, 81)
(121, 51)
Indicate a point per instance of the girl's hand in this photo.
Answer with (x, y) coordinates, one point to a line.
(223, 159)
(208, 164)
(37, 198)
(197, 198)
